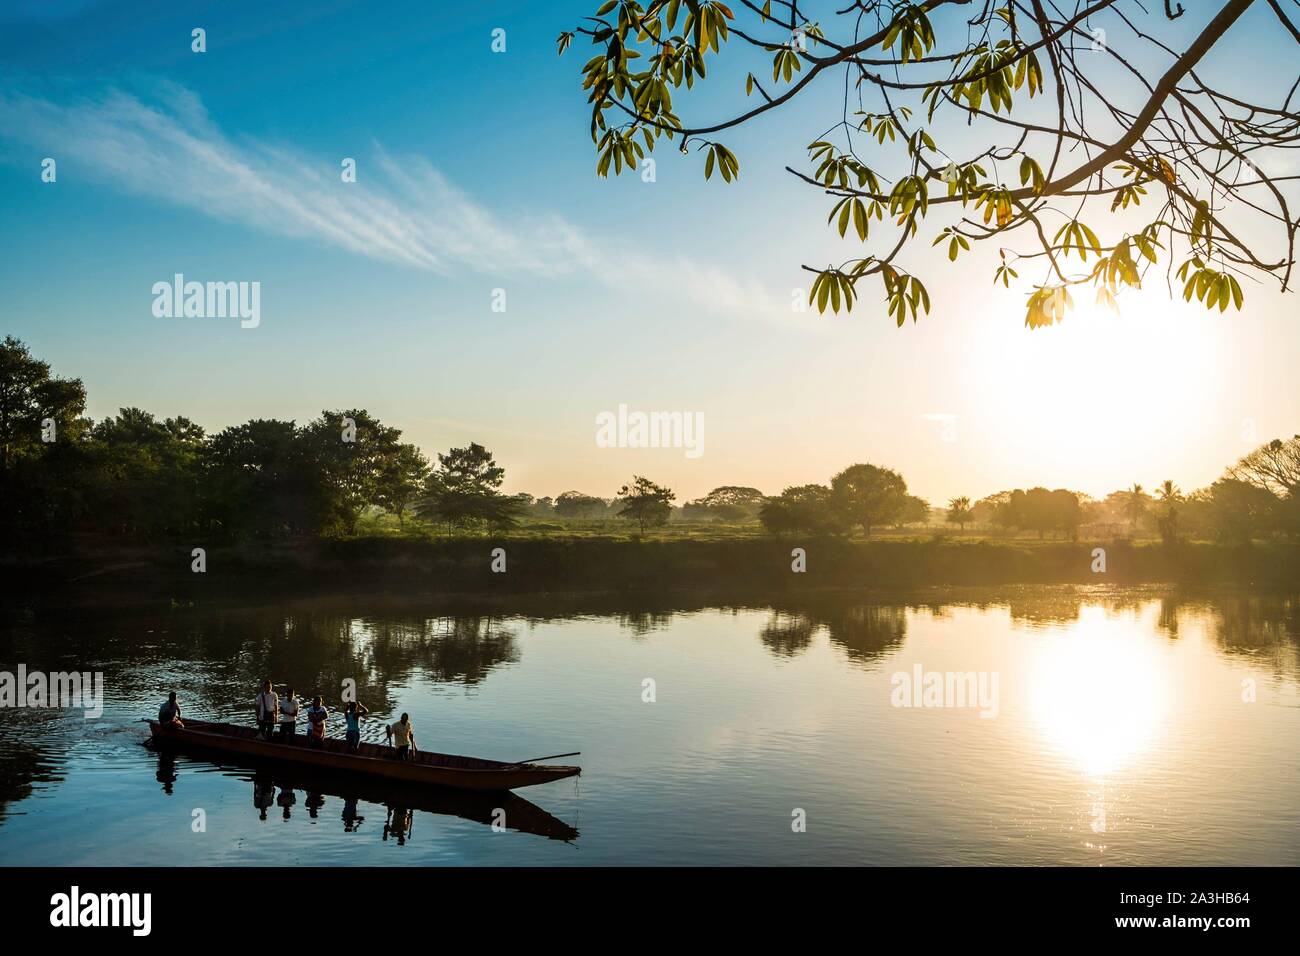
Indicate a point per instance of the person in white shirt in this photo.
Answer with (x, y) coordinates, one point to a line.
(288, 716)
(267, 704)
(402, 737)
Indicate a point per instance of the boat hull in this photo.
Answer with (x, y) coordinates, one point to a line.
(372, 760)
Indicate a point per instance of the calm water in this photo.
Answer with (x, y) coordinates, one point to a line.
(1120, 733)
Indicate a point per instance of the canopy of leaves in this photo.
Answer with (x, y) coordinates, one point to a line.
(1099, 152)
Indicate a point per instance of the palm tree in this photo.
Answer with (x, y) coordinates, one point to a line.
(1136, 506)
(1170, 495)
(959, 512)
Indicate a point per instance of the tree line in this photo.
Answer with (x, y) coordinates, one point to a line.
(1257, 497)
(136, 476)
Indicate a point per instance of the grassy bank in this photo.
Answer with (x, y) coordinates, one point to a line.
(592, 564)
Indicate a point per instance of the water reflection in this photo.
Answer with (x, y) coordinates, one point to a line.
(276, 788)
(1123, 733)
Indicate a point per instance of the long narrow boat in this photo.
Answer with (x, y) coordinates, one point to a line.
(375, 760)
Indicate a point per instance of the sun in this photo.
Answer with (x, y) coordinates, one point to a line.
(1101, 398)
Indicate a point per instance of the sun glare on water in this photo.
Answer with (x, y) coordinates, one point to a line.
(1098, 693)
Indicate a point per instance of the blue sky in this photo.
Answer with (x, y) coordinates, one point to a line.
(475, 172)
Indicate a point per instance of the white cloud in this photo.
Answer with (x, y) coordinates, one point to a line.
(401, 209)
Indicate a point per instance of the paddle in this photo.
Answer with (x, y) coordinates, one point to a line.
(551, 757)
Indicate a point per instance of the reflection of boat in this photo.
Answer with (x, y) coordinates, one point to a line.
(373, 760)
(503, 808)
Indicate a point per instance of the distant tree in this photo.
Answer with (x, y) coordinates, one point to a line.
(646, 503)
(462, 491)
(733, 502)
(914, 511)
(868, 496)
(960, 512)
(575, 504)
(1240, 509)
(802, 508)
(1066, 513)
(28, 396)
(994, 510)
(1273, 467)
(42, 483)
(1041, 511)
(400, 480)
(1136, 504)
(1167, 520)
(352, 449)
(261, 479)
(144, 475)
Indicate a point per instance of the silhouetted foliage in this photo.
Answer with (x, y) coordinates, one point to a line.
(646, 503)
(803, 508)
(135, 477)
(462, 492)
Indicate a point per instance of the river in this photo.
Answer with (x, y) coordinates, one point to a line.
(1037, 725)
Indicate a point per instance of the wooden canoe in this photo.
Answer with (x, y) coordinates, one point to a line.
(374, 760)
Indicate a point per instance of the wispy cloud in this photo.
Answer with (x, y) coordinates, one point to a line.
(166, 147)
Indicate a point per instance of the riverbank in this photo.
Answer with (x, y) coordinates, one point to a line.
(485, 566)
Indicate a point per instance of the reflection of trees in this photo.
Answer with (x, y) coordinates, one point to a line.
(866, 632)
(863, 631)
(310, 646)
(21, 767)
(643, 622)
(460, 649)
(1248, 622)
(1167, 621)
(316, 652)
(1034, 607)
(787, 635)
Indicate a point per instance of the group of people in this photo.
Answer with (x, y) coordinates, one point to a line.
(272, 709)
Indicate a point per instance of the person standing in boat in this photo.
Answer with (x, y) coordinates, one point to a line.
(316, 715)
(288, 716)
(169, 714)
(267, 704)
(352, 715)
(402, 736)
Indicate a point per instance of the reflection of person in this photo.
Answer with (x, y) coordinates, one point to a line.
(288, 716)
(263, 795)
(169, 714)
(350, 818)
(166, 771)
(352, 715)
(286, 800)
(399, 823)
(402, 736)
(267, 703)
(316, 715)
(313, 803)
